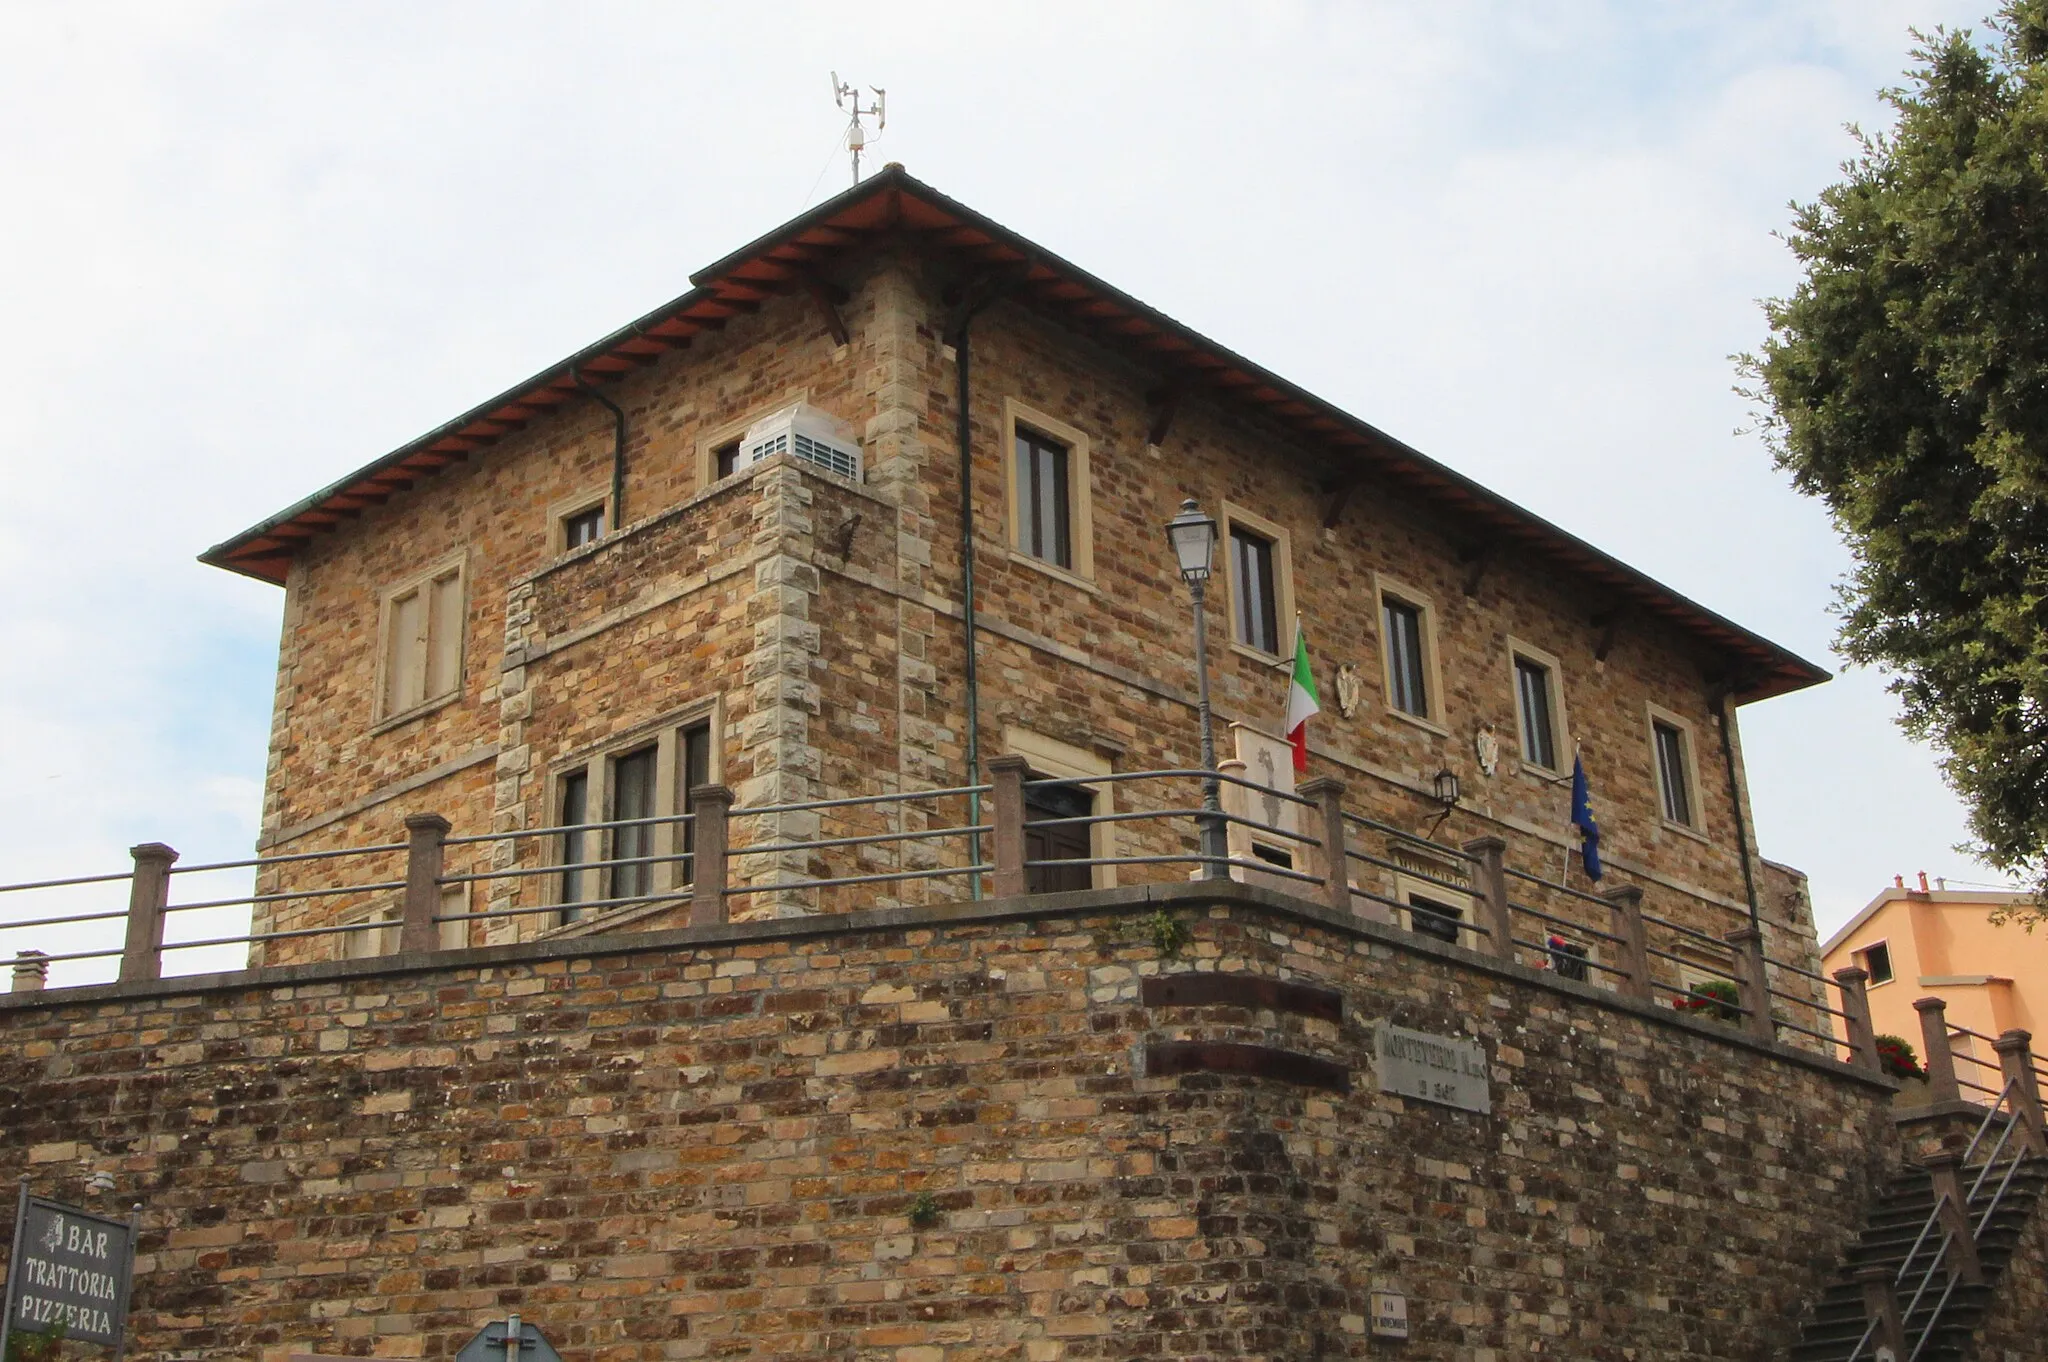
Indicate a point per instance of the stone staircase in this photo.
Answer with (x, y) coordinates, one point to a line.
(1841, 1319)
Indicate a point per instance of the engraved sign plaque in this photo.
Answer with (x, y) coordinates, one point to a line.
(1440, 1069)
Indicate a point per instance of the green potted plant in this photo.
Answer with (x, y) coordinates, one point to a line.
(1716, 999)
(1896, 1058)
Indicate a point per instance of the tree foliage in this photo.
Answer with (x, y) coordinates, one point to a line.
(1906, 387)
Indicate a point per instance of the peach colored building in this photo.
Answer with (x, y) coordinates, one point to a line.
(1920, 943)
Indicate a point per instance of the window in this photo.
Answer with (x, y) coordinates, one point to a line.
(1671, 747)
(1061, 841)
(1407, 680)
(1251, 567)
(1435, 906)
(1567, 958)
(637, 785)
(1539, 706)
(725, 459)
(1044, 527)
(1046, 487)
(422, 652)
(1877, 962)
(372, 942)
(584, 527)
(1260, 580)
(1434, 917)
(1052, 759)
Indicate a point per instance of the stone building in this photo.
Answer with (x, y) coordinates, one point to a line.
(733, 885)
(592, 591)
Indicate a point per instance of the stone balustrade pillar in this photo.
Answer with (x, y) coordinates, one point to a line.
(710, 807)
(1934, 1044)
(149, 893)
(1856, 1018)
(1633, 947)
(424, 835)
(2016, 1062)
(1006, 773)
(1329, 860)
(1490, 878)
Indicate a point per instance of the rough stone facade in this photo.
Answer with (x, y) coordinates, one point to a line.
(712, 1143)
(822, 621)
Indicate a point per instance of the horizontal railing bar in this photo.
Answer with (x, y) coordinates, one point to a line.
(860, 879)
(563, 868)
(1587, 961)
(1962, 1082)
(77, 955)
(1794, 969)
(1175, 773)
(1564, 922)
(580, 904)
(1360, 820)
(375, 887)
(332, 929)
(381, 849)
(1124, 816)
(1967, 1058)
(1269, 830)
(565, 828)
(1797, 1001)
(812, 804)
(1684, 930)
(1412, 874)
(1559, 888)
(63, 921)
(1690, 963)
(1806, 1031)
(66, 884)
(916, 834)
(1268, 868)
(1974, 1035)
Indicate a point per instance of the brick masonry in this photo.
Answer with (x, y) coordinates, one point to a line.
(709, 1144)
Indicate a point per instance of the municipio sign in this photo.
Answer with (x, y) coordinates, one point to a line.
(69, 1270)
(1437, 1069)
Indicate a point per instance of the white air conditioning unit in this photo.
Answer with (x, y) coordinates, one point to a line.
(810, 434)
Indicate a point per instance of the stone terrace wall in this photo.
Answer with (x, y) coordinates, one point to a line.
(681, 1145)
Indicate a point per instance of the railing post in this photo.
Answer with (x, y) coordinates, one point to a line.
(2016, 1059)
(1881, 1305)
(31, 971)
(1955, 1217)
(1755, 982)
(1331, 862)
(1490, 877)
(1626, 922)
(149, 893)
(1006, 773)
(710, 805)
(1941, 1060)
(424, 834)
(1856, 1018)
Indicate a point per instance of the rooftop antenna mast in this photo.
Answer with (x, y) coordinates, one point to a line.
(848, 97)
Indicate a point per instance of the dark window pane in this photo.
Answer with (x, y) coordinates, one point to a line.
(575, 811)
(1066, 842)
(1258, 609)
(1431, 917)
(585, 527)
(1671, 774)
(1043, 507)
(696, 771)
(726, 458)
(1403, 629)
(1877, 960)
(1568, 959)
(633, 797)
(1539, 742)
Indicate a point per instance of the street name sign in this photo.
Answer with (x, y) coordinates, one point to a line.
(1440, 1069)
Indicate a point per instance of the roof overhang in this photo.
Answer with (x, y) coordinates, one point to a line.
(792, 258)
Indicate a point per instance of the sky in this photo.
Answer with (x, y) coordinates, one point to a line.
(250, 247)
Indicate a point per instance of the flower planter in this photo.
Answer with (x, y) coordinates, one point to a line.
(1913, 1092)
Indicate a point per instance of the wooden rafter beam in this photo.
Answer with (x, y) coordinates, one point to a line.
(1340, 497)
(1164, 403)
(822, 294)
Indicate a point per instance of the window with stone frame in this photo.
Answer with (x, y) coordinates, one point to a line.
(622, 839)
(423, 622)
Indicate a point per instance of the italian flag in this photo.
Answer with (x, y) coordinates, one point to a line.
(1303, 703)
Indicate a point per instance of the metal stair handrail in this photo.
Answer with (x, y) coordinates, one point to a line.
(2007, 1102)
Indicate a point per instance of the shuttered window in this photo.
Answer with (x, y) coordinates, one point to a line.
(423, 642)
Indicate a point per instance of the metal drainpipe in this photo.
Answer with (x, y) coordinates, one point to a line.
(1727, 717)
(964, 392)
(618, 448)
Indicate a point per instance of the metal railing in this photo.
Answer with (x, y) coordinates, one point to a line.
(705, 864)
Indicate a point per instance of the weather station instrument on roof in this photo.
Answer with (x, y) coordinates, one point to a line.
(848, 97)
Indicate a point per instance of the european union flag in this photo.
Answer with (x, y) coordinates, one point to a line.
(1582, 819)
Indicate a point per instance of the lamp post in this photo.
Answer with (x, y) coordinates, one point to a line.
(1193, 536)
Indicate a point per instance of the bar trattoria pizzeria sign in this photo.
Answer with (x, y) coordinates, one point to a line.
(69, 1271)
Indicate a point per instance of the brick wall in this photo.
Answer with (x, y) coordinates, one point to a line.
(681, 1145)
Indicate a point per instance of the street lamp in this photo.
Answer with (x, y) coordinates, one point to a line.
(1193, 536)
